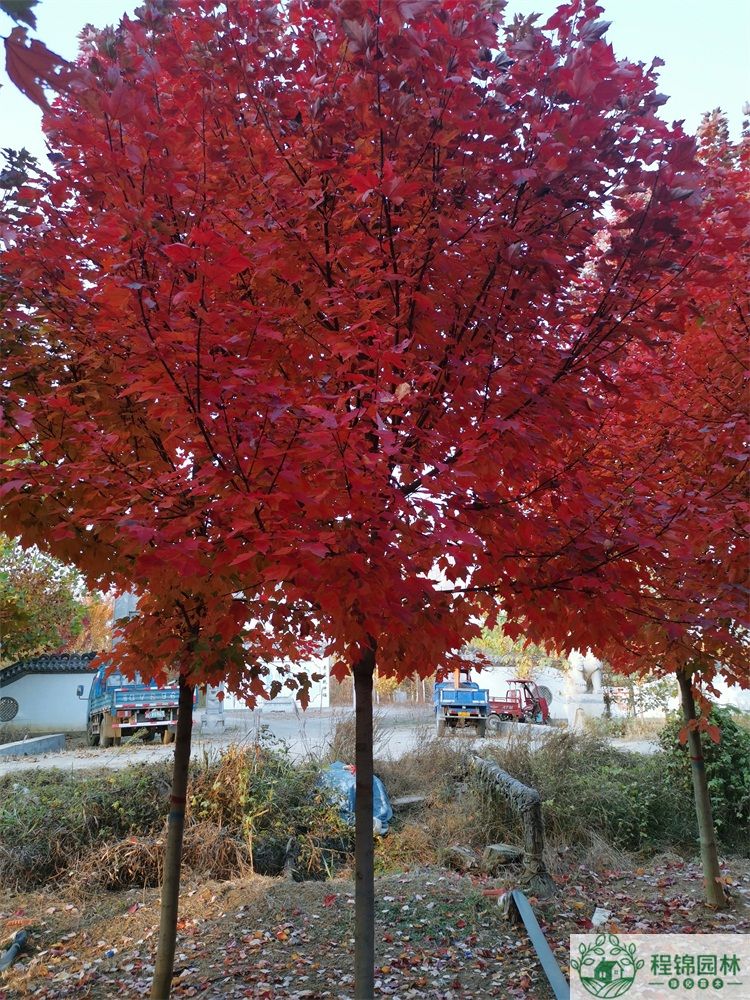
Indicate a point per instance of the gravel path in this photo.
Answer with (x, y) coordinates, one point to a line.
(305, 733)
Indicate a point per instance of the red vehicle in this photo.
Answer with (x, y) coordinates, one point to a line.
(523, 702)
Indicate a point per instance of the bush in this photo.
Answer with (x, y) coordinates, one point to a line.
(254, 808)
(595, 797)
(727, 770)
(591, 788)
(49, 819)
(276, 806)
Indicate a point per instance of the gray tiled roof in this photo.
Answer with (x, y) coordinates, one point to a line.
(49, 663)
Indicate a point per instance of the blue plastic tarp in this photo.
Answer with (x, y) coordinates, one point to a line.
(340, 778)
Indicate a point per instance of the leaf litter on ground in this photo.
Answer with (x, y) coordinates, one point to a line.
(439, 936)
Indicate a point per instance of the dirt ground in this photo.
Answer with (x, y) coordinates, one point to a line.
(439, 935)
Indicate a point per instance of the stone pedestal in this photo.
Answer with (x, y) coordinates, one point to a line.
(581, 706)
(213, 715)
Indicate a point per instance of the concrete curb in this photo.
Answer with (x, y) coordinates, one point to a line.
(33, 746)
(529, 728)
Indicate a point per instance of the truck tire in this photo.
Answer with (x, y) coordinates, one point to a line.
(106, 735)
(493, 724)
(440, 727)
(91, 736)
(482, 729)
(148, 735)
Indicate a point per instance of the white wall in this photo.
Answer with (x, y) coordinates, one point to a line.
(47, 703)
(735, 696)
(319, 690)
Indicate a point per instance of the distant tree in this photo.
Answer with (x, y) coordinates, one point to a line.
(96, 626)
(42, 602)
(525, 656)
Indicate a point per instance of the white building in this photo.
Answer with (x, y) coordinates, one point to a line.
(38, 695)
(285, 700)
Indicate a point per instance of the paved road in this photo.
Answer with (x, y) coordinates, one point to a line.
(401, 728)
(305, 733)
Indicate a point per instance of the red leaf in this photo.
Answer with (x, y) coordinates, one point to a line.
(179, 253)
(714, 733)
(26, 65)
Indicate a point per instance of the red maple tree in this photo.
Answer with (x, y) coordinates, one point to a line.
(689, 441)
(686, 451)
(322, 320)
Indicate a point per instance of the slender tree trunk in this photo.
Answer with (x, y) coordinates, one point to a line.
(170, 889)
(364, 854)
(715, 895)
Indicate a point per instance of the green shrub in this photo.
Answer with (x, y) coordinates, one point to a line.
(271, 800)
(727, 770)
(49, 818)
(259, 803)
(589, 787)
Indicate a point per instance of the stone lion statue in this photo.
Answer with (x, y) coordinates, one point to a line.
(585, 674)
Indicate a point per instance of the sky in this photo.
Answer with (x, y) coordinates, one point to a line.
(705, 45)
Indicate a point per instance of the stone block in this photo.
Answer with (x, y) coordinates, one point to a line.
(460, 858)
(497, 856)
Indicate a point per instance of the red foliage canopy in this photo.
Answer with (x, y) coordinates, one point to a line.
(687, 447)
(325, 315)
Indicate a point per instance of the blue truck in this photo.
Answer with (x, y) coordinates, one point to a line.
(119, 707)
(461, 703)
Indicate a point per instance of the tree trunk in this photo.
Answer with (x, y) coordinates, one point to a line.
(364, 853)
(170, 889)
(527, 804)
(715, 895)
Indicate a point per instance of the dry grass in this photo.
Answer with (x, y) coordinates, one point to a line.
(254, 803)
(411, 845)
(215, 852)
(599, 856)
(341, 742)
(107, 831)
(10, 734)
(431, 769)
(456, 810)
(630, 727)
(602, 807)
(208, 850)
(118, 865)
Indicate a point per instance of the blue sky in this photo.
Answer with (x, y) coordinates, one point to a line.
(706, 48)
